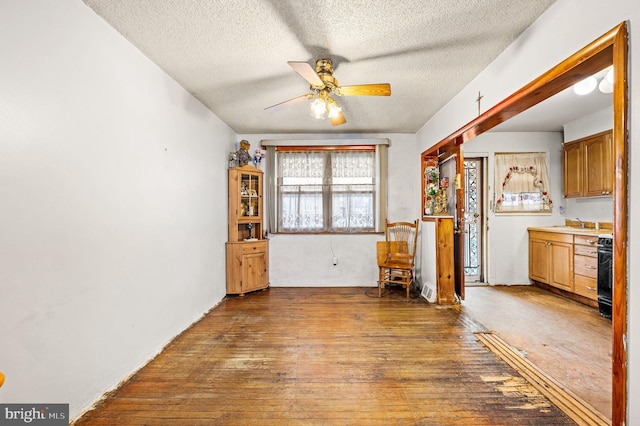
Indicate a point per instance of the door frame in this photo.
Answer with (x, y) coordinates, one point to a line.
(609, 49)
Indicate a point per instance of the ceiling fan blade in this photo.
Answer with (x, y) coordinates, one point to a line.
(383, 89)
(338, 119)
(278, 107)
(307, 72)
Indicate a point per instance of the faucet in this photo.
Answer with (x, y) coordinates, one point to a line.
(581, 222)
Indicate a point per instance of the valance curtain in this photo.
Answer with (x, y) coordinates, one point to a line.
(521, 183)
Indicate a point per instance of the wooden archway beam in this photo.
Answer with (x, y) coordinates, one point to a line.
(610, 48)
(589, 60)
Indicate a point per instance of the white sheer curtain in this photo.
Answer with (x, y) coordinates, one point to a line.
(353, 190)
(522, 183)
(300, 191)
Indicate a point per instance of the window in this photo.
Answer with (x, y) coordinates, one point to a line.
(326, 189)
(521, 183)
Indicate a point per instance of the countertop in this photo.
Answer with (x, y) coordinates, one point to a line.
(562, 229)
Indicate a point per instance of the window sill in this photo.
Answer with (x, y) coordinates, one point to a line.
(327, 233)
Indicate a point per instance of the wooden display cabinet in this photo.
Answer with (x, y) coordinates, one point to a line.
(245, 203)
(247, 249)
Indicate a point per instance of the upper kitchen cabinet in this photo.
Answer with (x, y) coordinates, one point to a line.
(588, 168)
(573, 165)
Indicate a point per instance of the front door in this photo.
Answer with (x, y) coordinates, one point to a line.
(473, 220)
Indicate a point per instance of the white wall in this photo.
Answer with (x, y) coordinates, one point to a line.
(507, 237)
(428, 276)
(113, 217)
(588, 125)
(306, 260)
(563, 29)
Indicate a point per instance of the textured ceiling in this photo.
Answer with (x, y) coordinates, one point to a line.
(232, 54)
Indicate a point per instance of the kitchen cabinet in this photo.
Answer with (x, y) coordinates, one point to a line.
(567, 258)
(551, 259)
(247, 249)
(573, 161)
(588, 168)
(585, 260)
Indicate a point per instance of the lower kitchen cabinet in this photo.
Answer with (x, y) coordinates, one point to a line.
(551, 259)
(585, 255)
(247, 266)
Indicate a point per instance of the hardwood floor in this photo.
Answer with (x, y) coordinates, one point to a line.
(568, 340)
(326, 356)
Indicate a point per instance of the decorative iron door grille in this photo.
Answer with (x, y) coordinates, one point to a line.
(473, 220)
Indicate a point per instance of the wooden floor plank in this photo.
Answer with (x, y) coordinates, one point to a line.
(568, 340)
(572, 405)
(326, 356)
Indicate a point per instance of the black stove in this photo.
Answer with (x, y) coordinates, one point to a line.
(605, 276)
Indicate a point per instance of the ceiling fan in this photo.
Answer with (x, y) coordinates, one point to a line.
(324, 87)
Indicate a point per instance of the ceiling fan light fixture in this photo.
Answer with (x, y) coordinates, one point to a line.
(319, 109)
(333, 108)
(323, 86)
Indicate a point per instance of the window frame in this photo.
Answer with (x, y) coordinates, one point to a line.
(500, 179)
(378, 194)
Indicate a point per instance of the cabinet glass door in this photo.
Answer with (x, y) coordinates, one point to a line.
(249, 196)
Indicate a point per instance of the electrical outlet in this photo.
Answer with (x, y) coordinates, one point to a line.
(334, 260)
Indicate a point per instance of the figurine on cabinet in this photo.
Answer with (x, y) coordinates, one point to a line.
(257, 157)
(243, 155)
(250, 231)
(233, 160)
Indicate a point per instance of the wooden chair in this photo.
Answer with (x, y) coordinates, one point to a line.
(396, 255)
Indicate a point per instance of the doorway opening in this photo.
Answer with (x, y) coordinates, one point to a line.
(609, 49)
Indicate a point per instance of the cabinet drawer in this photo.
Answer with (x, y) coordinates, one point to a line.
(586, 251)
(586, 240)
(551, 236)
(254, 247)
(586, 266)
(586, 286)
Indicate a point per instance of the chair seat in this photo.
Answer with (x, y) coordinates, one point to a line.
(396, 265)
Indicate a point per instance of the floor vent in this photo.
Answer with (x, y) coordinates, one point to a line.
(428, 293)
